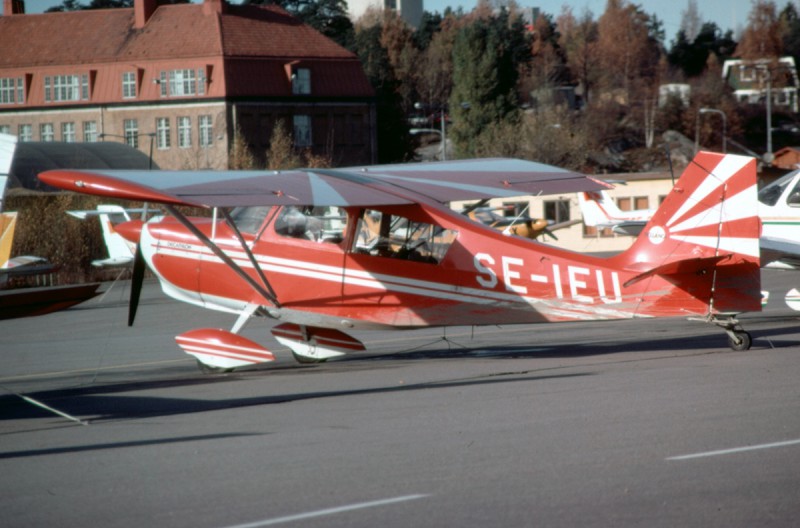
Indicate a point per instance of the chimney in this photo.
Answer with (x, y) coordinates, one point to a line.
(213, 6)
(13, 7)
(143, 10)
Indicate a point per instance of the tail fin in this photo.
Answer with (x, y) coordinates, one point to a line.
(598, 209)
(119, 249)
(705, 236)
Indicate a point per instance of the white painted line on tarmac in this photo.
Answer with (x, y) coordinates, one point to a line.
(328, 511)
(736, 450)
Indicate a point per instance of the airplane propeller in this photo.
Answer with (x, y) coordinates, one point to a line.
(132, 232)
(137, 278)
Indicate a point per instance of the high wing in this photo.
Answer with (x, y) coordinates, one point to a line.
(373, 186)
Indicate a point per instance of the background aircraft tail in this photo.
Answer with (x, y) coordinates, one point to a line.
(704, 239)
(598, 209)
(120, 251)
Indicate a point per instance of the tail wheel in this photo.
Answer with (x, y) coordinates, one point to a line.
(740, 340)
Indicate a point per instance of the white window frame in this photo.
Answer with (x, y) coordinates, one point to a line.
(130, 129)
(129, 85)
(90, 131)
(11, 91)
(25, 133)
(68, 134)
(184, 132)
(163, 135)
(61, 88)
(47, 132)
(182, 83)
(205, 131)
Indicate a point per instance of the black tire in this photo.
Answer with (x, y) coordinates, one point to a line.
(745, 340)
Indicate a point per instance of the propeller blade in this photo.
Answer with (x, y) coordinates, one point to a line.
(137, 277)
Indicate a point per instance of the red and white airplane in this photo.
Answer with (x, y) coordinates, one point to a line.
(328, 250)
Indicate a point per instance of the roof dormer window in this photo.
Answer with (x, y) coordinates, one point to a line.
(59, 88)
(128, 85)
(182, 83)
(11, 90)
(301, 81)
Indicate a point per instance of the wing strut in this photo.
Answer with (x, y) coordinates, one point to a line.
(221, 254)
(253, 261)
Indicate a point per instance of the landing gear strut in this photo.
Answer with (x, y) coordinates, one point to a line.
(738, 338)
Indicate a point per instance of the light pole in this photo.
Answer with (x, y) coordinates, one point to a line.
(724, 126)
(442, 131)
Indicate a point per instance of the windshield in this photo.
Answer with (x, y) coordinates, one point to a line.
(249, 219)
(770, 194)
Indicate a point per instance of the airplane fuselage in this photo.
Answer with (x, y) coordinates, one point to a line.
(468, 274)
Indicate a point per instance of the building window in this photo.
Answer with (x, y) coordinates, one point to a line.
(302, 131)
(5, 129)
(162, 133)
(182, 83)
(59, 88)
(205, 125)
(68, 132)
(46, 132)
(184, 132)
(128, 85)
(131, 132)
(90, 131)
(201, 82)
(301, 81)
(11, 90)
(25, 133)
(556, 210)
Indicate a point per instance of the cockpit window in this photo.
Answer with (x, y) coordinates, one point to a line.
(770, 194)
(319, 224)
(386, 235)
(249, 219)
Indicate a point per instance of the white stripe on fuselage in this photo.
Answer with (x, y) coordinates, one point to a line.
(392, 283)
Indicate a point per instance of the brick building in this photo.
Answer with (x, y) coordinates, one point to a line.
(179, 80)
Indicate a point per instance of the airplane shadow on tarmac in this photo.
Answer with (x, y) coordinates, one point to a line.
(113, 401)
(97, 404)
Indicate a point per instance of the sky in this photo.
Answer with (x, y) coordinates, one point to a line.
(727, 14)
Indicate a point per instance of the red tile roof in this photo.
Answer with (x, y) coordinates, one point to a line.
(173, 32)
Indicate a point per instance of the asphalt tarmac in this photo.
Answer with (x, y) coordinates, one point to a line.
(629, 423)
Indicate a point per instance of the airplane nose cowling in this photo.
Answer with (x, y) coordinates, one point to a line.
(130, 230)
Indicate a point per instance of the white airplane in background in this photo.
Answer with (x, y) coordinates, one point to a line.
(120, 251)
(600, 211)
(779, 209)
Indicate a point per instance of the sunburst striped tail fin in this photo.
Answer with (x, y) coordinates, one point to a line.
(707, 228)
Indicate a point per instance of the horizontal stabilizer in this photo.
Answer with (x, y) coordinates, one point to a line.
(680, 267)
(222, 349)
